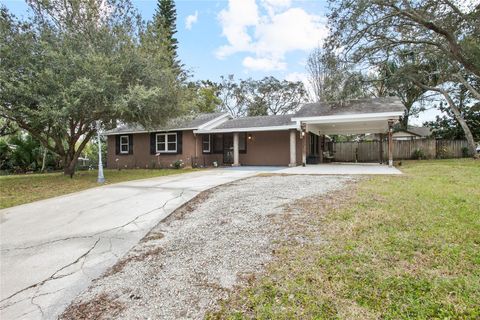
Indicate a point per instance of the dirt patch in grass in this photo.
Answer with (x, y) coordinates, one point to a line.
(99, 308)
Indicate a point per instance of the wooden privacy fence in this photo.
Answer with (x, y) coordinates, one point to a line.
(369, 151)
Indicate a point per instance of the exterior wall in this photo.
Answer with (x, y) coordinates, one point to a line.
(271, 148)
(141, 157)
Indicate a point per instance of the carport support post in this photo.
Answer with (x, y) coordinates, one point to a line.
(236, 161)
(293, 148)
(381, 147)
(390, 143)
(303, 136)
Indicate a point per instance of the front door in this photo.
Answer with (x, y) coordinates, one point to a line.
(228, 148)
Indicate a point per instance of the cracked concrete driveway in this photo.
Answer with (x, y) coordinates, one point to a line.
(52, 249)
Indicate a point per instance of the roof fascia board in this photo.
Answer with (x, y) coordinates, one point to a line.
(349, 117)
(251, 129)
(146, 131)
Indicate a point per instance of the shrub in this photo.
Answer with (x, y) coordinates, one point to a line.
(443, 153)
(418, 154)
(465, 152)
(177, 164)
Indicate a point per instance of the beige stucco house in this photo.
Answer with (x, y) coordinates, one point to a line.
(275, 140)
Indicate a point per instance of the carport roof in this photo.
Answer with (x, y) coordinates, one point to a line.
(351, 107)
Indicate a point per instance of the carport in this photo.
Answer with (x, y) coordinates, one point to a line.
(362, 116)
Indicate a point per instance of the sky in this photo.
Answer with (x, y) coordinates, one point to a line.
(247, 38)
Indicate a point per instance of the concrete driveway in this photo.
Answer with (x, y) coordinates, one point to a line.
(52, 249)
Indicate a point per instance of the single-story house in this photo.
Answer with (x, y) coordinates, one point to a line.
(275, 140)
(412, 133)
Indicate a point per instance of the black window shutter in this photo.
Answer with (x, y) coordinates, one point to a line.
(152, 143)
(117, 144)
(179, 142)
(130, 144)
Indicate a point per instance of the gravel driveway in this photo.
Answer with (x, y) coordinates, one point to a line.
(196, 256)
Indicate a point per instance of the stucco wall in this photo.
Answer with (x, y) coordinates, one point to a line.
(265, 148)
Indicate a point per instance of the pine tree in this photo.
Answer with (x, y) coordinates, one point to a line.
(165, 21)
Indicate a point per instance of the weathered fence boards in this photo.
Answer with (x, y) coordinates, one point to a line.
(369, 151)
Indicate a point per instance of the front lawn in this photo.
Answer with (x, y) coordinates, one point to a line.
(20, 189)
(392, 247)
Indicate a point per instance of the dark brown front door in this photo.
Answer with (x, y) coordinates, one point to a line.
(228, 148)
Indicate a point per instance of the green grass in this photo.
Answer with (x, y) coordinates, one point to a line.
(403, 247)
(20, 189)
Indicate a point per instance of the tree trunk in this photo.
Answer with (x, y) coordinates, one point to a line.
(44, 158)
(463, 124)
(458, 116)
(69, 164)
(404, 120)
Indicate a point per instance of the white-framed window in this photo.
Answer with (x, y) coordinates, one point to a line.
(166, 142)
(124, 144)
(206, 143)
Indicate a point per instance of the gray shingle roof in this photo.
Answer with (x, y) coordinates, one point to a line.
(375, 105)
(188, 122)
(258, 121)
(420, 131)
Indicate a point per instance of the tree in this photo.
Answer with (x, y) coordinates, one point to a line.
(371, 31)
(333, 79)
(233, 96)
(207, 96)
(446, 127)
(272, 96)
(20, 152)
(259, 97)
(165, 22)
(76, 63)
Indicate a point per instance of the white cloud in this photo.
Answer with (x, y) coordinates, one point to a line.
(275, 5)
(190, 20)
(235, 20)
(265, 64)
(269, 37)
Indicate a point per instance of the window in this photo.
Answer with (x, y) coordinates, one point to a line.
(124, 144)
(206, 143)
(166, 142)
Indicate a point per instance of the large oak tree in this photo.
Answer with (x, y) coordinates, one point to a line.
(75, 63)
(444, 32)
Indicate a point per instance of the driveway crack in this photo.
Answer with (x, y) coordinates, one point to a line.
(98, 233)
(54, 275)
(85, 254)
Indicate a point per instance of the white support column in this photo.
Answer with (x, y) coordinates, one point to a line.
(303, 136)
(293, 148)
(236, 158)
(390, 143)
